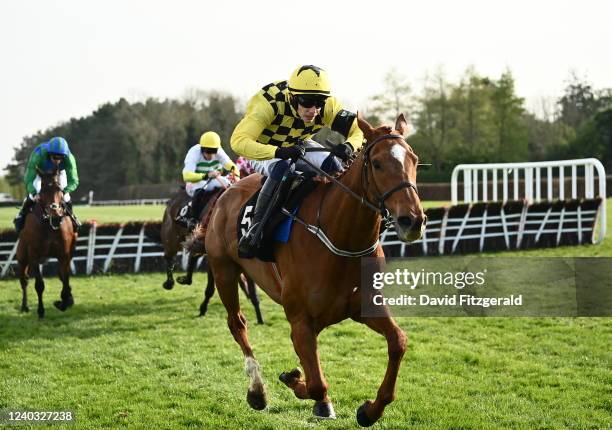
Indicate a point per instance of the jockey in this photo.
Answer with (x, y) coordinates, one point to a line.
(207, 168)
(279, 116)
(46, 157)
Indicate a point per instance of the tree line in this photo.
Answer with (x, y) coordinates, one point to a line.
(483, 120)
(474, 120)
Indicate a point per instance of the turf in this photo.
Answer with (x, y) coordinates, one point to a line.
(132, 355)
(102, 214)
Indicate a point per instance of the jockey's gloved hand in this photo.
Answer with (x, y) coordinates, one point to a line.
(294, 152)
(343, 151)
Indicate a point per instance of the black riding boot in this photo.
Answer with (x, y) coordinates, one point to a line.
(248, 243)
(75, 221)
(19, 220)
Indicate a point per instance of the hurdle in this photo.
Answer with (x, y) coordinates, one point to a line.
(539, 183)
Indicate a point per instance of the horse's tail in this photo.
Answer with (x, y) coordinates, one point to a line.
(195, 241)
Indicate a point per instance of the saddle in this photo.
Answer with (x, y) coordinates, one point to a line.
(278, 226)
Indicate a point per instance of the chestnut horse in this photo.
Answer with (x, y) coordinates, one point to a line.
(316, 287)
(48, 232)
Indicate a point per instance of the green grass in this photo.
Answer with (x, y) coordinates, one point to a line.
(102, 214)
(132, 355)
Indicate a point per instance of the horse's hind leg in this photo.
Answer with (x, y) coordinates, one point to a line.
(226, 278)
(66, 296)
(208, 293)
(191, 264)
(315, 386)
(369, 412)
(39, 286)
(249, 287)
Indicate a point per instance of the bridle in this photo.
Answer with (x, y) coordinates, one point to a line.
(54, 221)
(378, 208)
(378, 196)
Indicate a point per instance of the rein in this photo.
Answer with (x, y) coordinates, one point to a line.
(380, 199)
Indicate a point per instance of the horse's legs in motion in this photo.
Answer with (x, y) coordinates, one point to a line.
(169, 258)
(315, 386)
(370, 412)
(191, 264)
(66, 295)
(226, 277)
(23, 280)
(250, 289)
(39, 286)
(208, 293)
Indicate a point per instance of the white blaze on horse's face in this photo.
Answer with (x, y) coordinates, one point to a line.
(399, 153)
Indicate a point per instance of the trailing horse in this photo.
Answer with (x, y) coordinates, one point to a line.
(172, 236)
(315, 286)
(48, 232)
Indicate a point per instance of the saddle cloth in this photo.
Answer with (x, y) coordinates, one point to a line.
(278, 228)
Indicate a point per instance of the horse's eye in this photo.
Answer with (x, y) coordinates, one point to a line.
(376, 164)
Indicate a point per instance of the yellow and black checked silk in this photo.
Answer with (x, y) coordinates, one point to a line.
(287, 127)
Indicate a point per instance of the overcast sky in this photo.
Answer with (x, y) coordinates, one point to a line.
(62, 59)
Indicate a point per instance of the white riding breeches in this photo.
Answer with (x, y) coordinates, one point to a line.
(207, 185)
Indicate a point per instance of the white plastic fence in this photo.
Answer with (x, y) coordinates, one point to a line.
(533, 181)
(105, 247)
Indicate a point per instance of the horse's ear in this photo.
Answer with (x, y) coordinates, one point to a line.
(365, 127)
(401, 124)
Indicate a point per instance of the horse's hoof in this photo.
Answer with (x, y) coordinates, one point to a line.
(60, 305)
(260, 321)
(257, 400)
(168, 285)
(25, 309)
(324, 410)
(291, 377)
(183, 280)
(362, 417)
(41, 314)
(202, 312)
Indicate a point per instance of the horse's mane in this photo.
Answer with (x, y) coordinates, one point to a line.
(383, 129)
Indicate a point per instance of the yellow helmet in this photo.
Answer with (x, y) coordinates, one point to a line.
(309, 80)
(210, 139)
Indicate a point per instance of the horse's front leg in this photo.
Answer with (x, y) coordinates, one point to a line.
(187, 278)
(39, 285)
(169, 282)
(314, 386)
(23, 280)
(66, 296)
(370, 412)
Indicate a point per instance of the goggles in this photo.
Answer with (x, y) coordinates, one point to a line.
(209, 150)
(310, 101)
(57, 157)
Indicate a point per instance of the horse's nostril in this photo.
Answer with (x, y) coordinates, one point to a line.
(404, 222)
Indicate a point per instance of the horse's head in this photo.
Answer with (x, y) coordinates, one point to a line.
(389, 176)
(51, 197)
